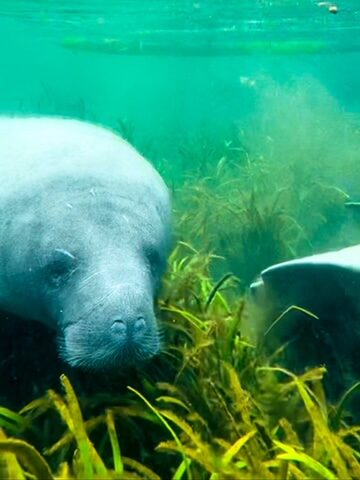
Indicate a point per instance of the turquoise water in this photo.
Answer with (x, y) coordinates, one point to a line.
(171, 68)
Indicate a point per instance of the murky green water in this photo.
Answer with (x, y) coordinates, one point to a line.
(172, 67)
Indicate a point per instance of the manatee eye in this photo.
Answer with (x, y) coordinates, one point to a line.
(60, 266)
(154, 260)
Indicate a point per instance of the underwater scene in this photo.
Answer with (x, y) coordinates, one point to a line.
(187, 309)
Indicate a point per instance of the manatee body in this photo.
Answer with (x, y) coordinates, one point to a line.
(313, 282)
(328, 286)
(84, 238)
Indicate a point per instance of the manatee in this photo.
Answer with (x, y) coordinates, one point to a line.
(327, 286)
(315, 281)
(85, 226)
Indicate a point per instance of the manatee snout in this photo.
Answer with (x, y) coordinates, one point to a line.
(133, 326)
(115, 329)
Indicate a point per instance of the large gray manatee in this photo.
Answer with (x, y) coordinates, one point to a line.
(84, 238)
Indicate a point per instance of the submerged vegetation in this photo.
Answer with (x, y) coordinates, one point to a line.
(214, 405)
(221, 410)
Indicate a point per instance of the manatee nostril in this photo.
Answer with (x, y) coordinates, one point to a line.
(139, 326)
(119, 327)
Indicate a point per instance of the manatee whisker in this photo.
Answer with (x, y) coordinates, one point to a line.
(86, 280)
(96, 304)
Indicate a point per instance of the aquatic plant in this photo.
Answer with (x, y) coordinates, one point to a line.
(220, 411)
(254, 216)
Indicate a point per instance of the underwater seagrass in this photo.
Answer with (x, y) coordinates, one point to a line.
(212, 405)
(220, 411)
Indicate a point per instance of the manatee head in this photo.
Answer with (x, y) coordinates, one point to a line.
(105, 313)
(105, 295)
(94, 273)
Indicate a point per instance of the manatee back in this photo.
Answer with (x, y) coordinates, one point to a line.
(36, 148)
